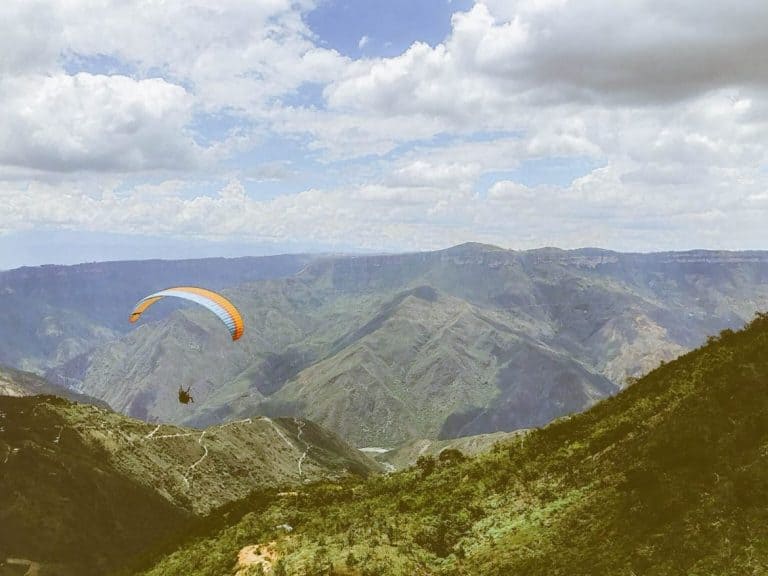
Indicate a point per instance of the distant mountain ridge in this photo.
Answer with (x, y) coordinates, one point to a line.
(473, 339)
(53, 313)
(468, 340)
(18, 383)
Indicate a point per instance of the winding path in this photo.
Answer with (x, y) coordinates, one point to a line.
(153, 435)
(300, 426)
(33, 568)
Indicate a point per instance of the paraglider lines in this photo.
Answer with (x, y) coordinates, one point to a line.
(199, 460)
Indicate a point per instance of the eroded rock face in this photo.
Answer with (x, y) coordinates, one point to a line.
(264, 555)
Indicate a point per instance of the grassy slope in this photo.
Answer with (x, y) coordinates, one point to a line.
(87, 488)
(197, 470)
(668, 477)
(67, 502)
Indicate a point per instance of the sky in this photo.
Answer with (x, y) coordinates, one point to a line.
(136, 129)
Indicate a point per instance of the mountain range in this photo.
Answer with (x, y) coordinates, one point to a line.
(391, 348)
(18, 383)
(52, 313)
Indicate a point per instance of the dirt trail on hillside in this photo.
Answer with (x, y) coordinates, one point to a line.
(33, 568)
(300, 425)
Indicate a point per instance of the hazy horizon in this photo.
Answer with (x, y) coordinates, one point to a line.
(179, 249)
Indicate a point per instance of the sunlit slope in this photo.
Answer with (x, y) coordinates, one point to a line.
(408, 454)
(668, 477)
(496, 339)
(431, 365)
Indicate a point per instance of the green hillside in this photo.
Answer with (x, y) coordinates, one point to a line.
(85, 488)
(62, 499)
(669, 477)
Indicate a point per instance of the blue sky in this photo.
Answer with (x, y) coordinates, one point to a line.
(389, 26)
(135, 130)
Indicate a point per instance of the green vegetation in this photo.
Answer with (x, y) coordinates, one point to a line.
(62, 501)
(669, 477)
(83, 489)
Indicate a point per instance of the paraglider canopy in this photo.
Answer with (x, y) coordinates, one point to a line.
(213, 301)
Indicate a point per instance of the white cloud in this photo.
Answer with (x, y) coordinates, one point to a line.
(421, 173)
(168, 62)
(507, 190)
(506, 65)
(363, 42)
(601, 208)
(29, 34)
(66, 123)
(669, 100)
(235, 55)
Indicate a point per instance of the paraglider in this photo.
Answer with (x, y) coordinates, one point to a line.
(213, 301)
(216, 303)
(184, 395)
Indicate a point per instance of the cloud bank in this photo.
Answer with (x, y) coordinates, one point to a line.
(639, 126)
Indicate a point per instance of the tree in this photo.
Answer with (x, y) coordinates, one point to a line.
(426, 464)
(451, 456)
